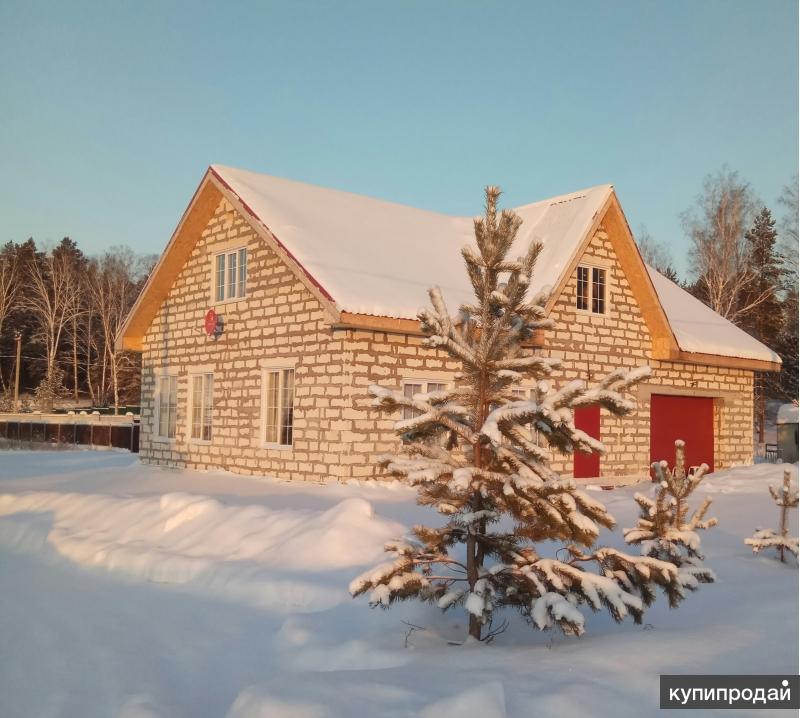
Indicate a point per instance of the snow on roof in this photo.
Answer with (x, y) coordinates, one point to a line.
(376, 257)
(380, 258)
(787, 414)
(699, 328)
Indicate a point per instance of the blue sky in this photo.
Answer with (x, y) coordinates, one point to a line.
(110, 112)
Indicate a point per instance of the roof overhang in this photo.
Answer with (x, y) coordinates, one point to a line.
(727, 362)
(206, 199)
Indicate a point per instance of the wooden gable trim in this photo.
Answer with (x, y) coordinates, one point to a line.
(612, 218)
(262, 230)
(194, 220)
(201, 209)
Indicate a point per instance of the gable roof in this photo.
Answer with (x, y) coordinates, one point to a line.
(373, 258)
(379, 258)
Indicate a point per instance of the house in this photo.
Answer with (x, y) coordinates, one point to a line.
(314, 295)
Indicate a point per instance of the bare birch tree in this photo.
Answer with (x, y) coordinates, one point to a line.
(656, 254)
(9, 286)
(789, 228)
(113, 291)
(716, 227)
(52, 297)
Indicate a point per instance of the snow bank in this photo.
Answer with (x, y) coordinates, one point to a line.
(80, 642)
(257, 703)
(265, 557)
(485, 701)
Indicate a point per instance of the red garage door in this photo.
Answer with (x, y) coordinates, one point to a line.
(690, 418)
(587, 466)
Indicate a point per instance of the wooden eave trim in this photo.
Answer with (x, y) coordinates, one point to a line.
(210, 192)
(173, 258)
(726, 361)
(370, 322)
(663, 342)
(263, 231)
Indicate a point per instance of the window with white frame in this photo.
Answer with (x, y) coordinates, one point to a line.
(230, 274)
(278, 406)
(418, 386)
(591, 290)
(530, 394)
(167, 405)
(201, 387)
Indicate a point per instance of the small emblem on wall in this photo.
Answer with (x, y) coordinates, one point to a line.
(213, 324)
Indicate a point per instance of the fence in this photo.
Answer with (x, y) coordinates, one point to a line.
(120, 432)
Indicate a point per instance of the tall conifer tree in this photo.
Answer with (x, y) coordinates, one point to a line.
(480, 455)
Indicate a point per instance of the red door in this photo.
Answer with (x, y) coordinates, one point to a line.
(690, 418)
(587, 466)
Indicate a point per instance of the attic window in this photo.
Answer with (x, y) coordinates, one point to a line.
(230, 275)
(591, 290)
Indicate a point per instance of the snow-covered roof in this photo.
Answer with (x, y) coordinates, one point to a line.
(380, 258)
(787, 414)
(373, 257)
(700, 329)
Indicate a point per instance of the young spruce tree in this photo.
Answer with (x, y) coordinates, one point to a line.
(786, 497)
(480, 455)
(667, 532)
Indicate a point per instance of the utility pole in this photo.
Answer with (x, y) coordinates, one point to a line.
(18, 338)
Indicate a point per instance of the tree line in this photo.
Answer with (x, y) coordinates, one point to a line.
(64, 310)
(743, 263)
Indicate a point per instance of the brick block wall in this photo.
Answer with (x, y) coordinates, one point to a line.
(336, 434)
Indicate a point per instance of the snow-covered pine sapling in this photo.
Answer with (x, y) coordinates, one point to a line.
(786, 497)
(480, 454)
(666, 531)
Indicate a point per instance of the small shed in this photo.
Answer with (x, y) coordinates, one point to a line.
(787, 433)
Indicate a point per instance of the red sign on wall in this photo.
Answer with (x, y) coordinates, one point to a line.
(211, 322)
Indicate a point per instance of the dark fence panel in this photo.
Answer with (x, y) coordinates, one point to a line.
(124, 436)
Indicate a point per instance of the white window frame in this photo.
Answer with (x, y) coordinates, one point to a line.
(591, 266)
(424, 384)
(239, 285)
(204, 411)
(169, 374)
(527, 393)
(278, 368)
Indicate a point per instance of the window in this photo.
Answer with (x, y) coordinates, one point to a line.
(278, 406)
(167, 405)
(417, 387)
(202, 398)
(530, 395)
(591, 291)
(230, 275)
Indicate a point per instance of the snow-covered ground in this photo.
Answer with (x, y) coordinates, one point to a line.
(135, 592)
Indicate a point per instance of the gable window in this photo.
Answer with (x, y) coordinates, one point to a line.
(167, 405)
(202, 406)
(591, 289)
(278, 406)
(418, 387)
(230, 275)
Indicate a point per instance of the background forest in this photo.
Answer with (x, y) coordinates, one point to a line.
(66, 310)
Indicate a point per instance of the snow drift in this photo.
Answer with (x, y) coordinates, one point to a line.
(268, 558)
